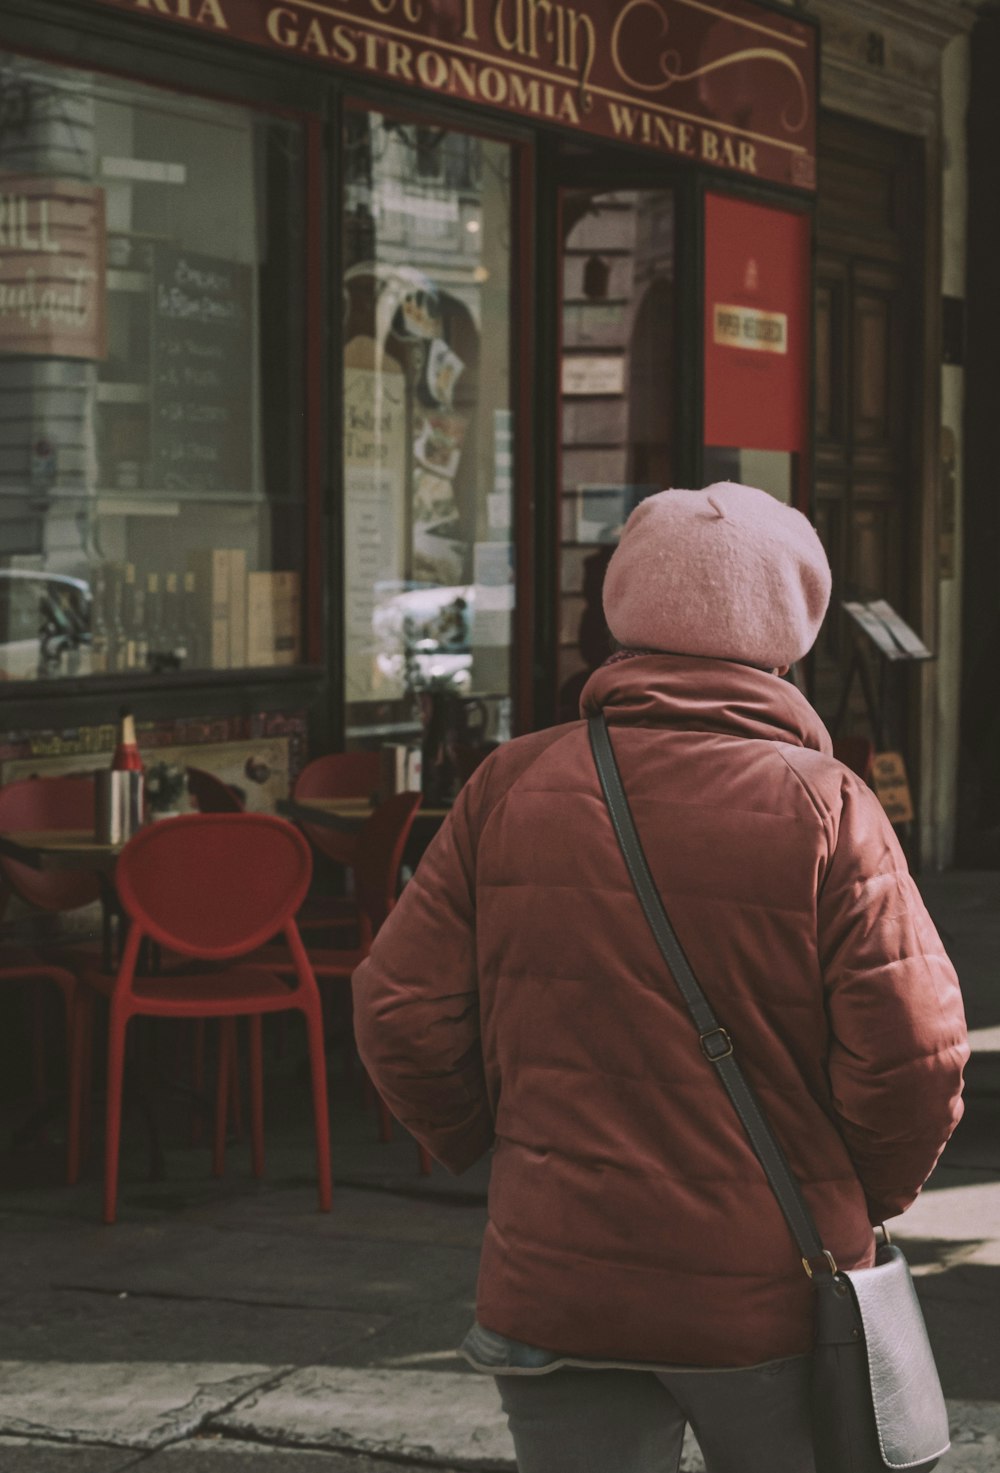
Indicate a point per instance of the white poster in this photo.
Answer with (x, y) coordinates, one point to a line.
(374, 471)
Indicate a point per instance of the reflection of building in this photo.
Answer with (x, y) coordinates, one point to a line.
(522, 281)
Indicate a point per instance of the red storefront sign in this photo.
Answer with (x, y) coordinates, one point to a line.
(52, 277)
(756, 325)
(729, 86)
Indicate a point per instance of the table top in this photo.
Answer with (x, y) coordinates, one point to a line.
(52, 849)
(346, 814)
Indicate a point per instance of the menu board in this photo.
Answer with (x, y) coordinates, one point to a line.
(201, 353)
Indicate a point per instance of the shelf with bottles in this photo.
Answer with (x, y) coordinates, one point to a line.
(212, 614)
(144, 621)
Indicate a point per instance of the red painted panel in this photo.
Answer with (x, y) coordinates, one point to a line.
(757, 286)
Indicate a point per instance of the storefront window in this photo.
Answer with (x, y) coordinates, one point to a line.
(617, 398)
(151, 360)
(428, 451)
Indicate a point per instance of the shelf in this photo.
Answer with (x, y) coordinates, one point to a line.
(119, 393)
(95, 699)
(134, 504)
(120, 280)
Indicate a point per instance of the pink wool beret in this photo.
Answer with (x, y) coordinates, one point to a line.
(728, 572)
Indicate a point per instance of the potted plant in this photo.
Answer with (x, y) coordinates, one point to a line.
(164, 789)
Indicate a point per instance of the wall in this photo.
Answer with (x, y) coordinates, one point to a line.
(939, 844)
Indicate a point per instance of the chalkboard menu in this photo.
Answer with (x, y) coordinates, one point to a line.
(201, 351)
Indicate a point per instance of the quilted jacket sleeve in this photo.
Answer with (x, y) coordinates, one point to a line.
(898, 1038)
(416, 1001)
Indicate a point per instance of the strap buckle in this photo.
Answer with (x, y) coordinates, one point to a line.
(716, 1044)
(830, 1261)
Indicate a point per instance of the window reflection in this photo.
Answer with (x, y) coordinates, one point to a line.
(617, 394)
(428, 452)
(150, 379)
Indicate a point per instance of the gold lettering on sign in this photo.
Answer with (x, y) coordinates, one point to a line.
(412, 10)
(544, 30)
(670, 64)
(469, 32)
(281, 26)
(202, 12)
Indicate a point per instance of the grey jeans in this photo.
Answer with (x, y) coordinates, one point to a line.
(753, 1420)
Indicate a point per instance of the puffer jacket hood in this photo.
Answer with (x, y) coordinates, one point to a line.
(686, 693)
(515, 999)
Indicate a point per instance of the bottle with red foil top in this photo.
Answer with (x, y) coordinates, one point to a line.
(126, 757)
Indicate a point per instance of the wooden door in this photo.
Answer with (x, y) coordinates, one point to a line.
(867, 339)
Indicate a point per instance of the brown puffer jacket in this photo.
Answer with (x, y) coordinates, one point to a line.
(516, 998)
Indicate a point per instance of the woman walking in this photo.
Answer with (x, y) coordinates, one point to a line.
(637, 1273)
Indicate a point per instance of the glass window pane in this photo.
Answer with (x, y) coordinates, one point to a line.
(151, 361)
(428, 451)
(617, 398)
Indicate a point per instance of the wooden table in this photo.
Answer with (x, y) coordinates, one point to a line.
(72, 849)
(345, 814)
(59, 849)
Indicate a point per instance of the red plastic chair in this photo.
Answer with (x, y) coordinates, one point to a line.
(36, 804)
(211, 794)
(337, 775)
(857, 753)
(215, 887)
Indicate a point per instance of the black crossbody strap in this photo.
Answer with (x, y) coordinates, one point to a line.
(716, 1043)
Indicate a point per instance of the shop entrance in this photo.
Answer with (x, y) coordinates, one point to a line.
(615, 388)
(867, 337)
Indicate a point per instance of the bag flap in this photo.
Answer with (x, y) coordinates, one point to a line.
(910, 1413)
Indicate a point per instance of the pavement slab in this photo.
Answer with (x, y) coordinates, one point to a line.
(86, 1325)
(430, 1417)
(21, 1455)
(975, 1438)
(253, 1267)
(117, 1403)
(224, 1455)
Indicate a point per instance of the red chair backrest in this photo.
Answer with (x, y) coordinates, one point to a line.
(337, 775)
(380, 853)
(211, 794)
(214, 885)
(40, 803)
(857, 753)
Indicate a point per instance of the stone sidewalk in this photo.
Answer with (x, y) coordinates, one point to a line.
(227, 1325)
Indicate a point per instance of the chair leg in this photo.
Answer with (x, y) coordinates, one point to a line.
(226, 1049)
(198, 1080)
(235, 1098)
(321, 1106)
(112, 1137)
(256, 1095)
(40, 1083)
(424, 1157)
(87, 1078)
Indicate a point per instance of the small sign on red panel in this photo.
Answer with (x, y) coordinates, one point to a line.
(757, 284)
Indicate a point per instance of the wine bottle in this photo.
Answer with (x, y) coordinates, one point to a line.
(99, 623)
(137, 627)
(154, 623)
(128, 617)
(193, 642)
(126, 757)
(173, 621)
(117, 638)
